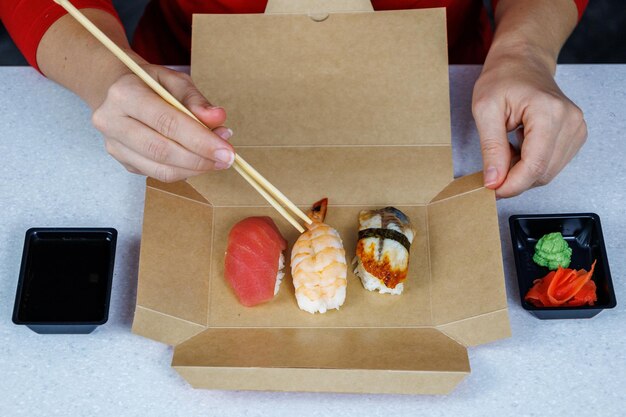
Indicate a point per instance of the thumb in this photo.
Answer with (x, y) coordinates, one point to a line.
(183, 88)
(494, 144)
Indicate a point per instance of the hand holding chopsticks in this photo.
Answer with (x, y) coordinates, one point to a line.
(253, 177)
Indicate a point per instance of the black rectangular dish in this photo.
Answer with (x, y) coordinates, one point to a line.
(65, 279)
(583, 233)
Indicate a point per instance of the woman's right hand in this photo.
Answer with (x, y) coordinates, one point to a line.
(150, 137)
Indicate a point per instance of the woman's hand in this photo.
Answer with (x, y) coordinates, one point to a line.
(148, 136)
(141, 131)
(517, 92)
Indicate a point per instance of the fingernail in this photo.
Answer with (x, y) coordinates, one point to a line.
(214, 108)
(491, 176)
(226, 134)
(221, 165)
(224, 156)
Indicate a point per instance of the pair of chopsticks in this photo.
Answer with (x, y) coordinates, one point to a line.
(251, 175)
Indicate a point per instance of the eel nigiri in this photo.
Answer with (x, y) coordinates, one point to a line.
(318, 265)
(382, 250)
(254, 260)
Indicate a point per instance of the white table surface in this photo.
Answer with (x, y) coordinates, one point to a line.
(55, 172)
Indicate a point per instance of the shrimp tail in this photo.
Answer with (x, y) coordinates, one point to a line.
(318, 210)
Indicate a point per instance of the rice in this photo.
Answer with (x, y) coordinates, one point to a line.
(281, 273)
(371, 283)
(321, 305)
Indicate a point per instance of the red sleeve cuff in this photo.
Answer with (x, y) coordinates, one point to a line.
(581, 5)
(28, 20)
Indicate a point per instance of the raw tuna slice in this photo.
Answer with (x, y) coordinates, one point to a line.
(254, 260)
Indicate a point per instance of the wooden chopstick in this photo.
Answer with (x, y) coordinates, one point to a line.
(269, 198)
(251, 175)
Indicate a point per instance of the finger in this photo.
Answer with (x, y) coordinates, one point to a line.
(223, 132)
(152, 111)
(137, 163)
(570, 139)
(150, 144)
(570, 143)
(515, 156)
(536, 158)
(183, 88)
(580, 137)
(519, 137)
(491, 124)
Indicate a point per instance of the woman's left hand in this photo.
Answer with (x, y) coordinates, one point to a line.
(517, 91)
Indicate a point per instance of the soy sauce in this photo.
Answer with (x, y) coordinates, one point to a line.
(66, 277)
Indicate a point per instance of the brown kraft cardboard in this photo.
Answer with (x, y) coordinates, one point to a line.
(326, 99)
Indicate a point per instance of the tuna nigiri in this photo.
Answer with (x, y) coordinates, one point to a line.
(318, 265)
(254, 260)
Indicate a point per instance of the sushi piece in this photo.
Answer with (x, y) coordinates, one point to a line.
(318, 265)
(382, 250)
(254, 260)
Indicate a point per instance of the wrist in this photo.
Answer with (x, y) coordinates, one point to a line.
(103, 75)
(83, 65)
(532, 30)
(523, 51)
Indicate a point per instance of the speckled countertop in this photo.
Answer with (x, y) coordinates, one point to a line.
(54, 172)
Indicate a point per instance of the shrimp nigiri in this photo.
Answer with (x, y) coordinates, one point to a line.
(318, 265)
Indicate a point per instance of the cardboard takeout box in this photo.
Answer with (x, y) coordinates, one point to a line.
(353, 107)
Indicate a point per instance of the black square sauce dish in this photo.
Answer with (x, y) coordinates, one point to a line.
(583, 233)
(65, 279)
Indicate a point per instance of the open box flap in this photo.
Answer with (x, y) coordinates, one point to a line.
(352, 92)
(478, 330)
(467, 283)
(162, 327)
(363, 175)
(418, 349)
(322, 380)
(179, 188)
(461, 185)
(172, 292)
(353, 79)
(317, 7)
(376, 349)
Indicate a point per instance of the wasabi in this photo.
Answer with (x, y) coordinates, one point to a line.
(553, 251)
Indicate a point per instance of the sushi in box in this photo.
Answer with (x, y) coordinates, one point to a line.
(353, 107)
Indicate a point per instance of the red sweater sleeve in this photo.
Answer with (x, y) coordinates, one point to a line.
(28, 20)
(580, 4)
